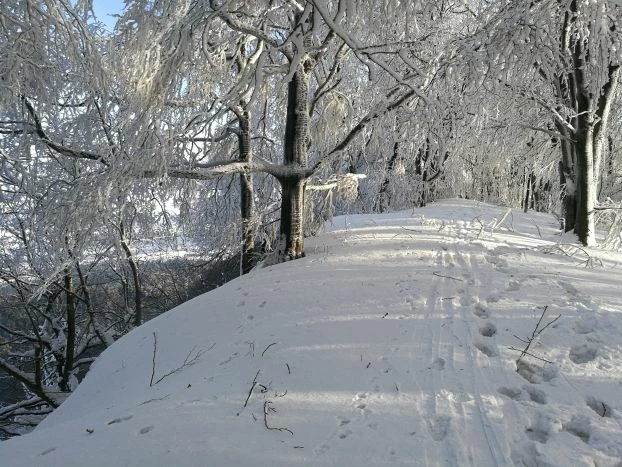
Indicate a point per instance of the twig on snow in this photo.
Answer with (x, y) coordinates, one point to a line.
(448, 277)
(268, 408)
(153, 359)
(264, 351)
(188, 361)
(535, 333)
(530, 354)
(254, 383)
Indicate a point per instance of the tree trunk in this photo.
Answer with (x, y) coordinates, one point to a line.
(138, 290)
(584, 147)
(586, 186)
(384, 197)
(246, 191)
(601, 125)
(296, 145)
(70, 341)
(567, 182)
(421, 162)
(593, 107)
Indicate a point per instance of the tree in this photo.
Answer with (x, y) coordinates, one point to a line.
(567, 51)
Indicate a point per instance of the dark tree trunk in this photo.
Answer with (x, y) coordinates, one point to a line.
(296, 145)
(421, 163)
(70, 342)
(138, 290)
(384, 197)
(246, 192)
(567, 182)
(528, 191)
(292, 218)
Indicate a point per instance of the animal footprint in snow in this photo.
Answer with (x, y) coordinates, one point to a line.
(362, 407)
(584, 325)
(540, 429)
(146, 429)
(486, 349)
(320, 450)
(569, 288)
(488, 329)
(120, 419)
(601, 408)
(582, 353)
(480, 311)
(536, 395)
(536, 374)
(343, 421)
(526, 393)
(494, 298)
(438, 427)
(344, 434)
(466, 300)
(437, 364)
(580, 426)
(360, 404)
(513, 393)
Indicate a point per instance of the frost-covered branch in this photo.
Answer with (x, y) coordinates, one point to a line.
(59, 148)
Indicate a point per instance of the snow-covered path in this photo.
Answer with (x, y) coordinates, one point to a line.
(387, 345)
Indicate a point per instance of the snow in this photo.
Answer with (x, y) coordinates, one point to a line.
(389, 344)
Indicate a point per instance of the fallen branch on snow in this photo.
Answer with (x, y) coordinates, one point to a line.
(535, 333)
(188, 361)
(268, 408)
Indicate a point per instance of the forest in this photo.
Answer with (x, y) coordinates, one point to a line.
(144, 165)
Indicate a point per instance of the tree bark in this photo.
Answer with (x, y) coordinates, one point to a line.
(592, 108)
(384, 197)
(296, 145)
(584, 145)
(567, 182)
(246, 191)
(138, 290)
(70, 342)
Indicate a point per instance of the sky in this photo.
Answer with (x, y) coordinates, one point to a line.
(104, 8)
(395, 342)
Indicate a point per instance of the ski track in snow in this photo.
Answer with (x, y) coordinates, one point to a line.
(394, 350)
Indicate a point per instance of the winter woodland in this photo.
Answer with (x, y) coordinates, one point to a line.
(144, 165)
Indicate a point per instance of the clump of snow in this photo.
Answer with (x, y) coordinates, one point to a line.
(389, 344)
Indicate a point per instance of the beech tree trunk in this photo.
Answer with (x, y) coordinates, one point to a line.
(592, 121)
(296, 145)
(582, 150)
(568, 184)
(246, 191)
(586, 186)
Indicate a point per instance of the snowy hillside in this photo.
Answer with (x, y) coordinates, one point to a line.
(388, 345)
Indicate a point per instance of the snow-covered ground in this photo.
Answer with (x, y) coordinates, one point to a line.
(388, 345)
